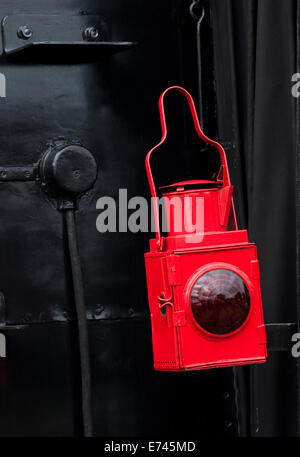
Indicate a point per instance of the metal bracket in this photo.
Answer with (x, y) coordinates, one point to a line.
(84, 35)
(18, 173)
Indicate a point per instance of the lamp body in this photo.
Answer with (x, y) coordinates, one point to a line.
(179, 342)
(203, 277)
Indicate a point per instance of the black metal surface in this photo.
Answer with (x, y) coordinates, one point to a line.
(39, 382)
(279, 336)
(129, 398)
(108, 107)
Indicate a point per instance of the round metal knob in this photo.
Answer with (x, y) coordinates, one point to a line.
(68, 170)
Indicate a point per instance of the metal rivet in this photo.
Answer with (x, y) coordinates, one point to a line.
(24, 32)
(91, 34)
(76, 174)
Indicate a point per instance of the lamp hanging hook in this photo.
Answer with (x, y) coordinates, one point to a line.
(199, 18)
(193, 5)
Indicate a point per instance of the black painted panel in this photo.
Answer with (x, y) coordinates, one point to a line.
(110, 107)
(39, 394)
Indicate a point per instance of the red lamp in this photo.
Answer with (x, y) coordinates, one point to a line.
(203, 285)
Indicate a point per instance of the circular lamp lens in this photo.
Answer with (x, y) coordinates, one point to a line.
(220, 302)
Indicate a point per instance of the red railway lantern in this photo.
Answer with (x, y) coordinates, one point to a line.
(203, 287)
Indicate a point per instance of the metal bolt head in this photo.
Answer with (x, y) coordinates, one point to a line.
(91, 34)
(24, 32)
(76, 174)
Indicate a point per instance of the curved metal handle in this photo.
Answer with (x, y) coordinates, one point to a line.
(226, 178)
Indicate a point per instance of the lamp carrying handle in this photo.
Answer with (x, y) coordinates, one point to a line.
(226, 178)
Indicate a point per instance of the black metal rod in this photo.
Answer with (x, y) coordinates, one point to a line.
(199, 64)
(199, 61)
(81, 324)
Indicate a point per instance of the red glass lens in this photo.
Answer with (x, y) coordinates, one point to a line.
(220, 301)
